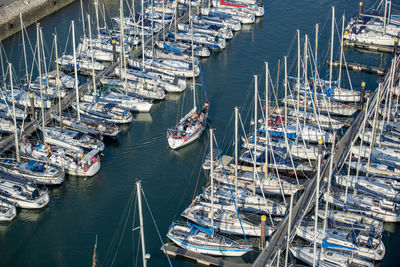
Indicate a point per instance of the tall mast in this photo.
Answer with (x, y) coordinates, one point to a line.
(266, 118)
(255, 127)
(96, 8)
(384, 19)
(40, 79)
(57, 83)
(236, 151)
(152, 28)
(15, 121)
(317, 200)
(83, 21)
(328, 190)
(341, 53)
(332, 40)
(316, 62)
(163, 18)
(139, 196)
(23, 46)
(212, 179)
(92, 57)
(44, 60)
(142, 36)
(298, 77)
(194, 79)
(75, 72)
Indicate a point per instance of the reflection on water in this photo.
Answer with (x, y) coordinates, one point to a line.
(142, 117)
(33, 215)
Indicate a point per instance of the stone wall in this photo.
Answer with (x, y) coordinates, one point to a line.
(31, 10)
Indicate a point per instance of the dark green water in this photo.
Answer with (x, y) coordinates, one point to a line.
(63, 234)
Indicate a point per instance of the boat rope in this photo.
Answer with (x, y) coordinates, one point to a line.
(155, 225)
(230, 190)
(113, 244)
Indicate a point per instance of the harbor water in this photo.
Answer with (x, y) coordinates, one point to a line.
(64, 233)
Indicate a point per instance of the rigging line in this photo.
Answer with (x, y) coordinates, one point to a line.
(133, 234)
(291, 45)
(155, 225)
(229, 186)
(227, 134)
(110, 248)
(123, 230)
(66, 42)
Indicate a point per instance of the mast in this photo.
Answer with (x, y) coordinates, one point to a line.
(104, 18)
(306, 76)
(96, 8)
(332, 39)
(236, 152)
(83, 21)
(266, 118)
(75, 72)
(92, 57)
(139, 196)
(255, 128)
(143, 68)
(94, 260)
(212, 179)
(23, 46)
(14, 119)
(328, 190)
(384, 19)
(40, 79)
(44, 61)
(316, 62)
(163, 18)
(57, 83)
(152, 28)
(375, 122)
(298, 83)
(194, 79)
(341, 53)
(316, 200)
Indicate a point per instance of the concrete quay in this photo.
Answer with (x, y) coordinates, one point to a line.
(31, 11)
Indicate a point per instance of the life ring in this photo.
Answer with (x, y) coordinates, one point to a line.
(98, 158)
(185, 138)
(85, 169)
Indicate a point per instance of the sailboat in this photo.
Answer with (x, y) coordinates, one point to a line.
(203, 240)
(328, 257)
(191, 126)
(23, 195)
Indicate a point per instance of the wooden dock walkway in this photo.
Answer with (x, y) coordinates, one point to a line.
(201, 259)
(356, 67)
(369, 47)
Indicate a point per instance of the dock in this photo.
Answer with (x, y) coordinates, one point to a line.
(201, 259)
(30, 10)
(370, 47)
(356, 67)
